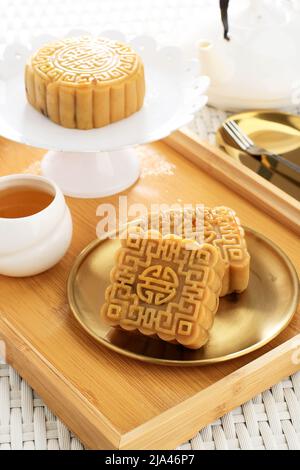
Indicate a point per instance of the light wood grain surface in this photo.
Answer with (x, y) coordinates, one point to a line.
(106, 399)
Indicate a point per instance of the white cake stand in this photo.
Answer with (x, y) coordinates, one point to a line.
(101, 162)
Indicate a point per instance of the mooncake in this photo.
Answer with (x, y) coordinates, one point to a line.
(85, 82)
(223, 229)
(218, 226)
(164, 287)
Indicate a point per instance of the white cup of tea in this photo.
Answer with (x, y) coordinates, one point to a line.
(35, 225)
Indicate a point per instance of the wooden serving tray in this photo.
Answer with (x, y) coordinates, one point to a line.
(110, 401)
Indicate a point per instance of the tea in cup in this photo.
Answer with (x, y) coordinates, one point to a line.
(35, 225)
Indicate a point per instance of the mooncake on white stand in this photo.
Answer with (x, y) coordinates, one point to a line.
(101, 162)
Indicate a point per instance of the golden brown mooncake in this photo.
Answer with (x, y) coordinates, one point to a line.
(161, 287)
(221, 227)
(85, 82)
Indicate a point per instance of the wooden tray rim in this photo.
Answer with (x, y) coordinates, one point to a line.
(240, 179)
(158, 433)
(184, 363)
(195, 412)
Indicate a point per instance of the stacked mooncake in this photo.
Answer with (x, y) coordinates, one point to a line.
(168, 285)
(85, 82)
(165, 287)
(218, 226)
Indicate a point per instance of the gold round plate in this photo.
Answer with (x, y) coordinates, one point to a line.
(275, 131)
(244, 322)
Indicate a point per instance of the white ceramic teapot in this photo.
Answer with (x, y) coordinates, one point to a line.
(259, 66)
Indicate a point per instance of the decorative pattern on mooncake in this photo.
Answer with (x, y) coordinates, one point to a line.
(218, 226)
(85, 82)
(223, 229)
(162, 287)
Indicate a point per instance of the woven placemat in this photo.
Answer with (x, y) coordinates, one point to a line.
(271, 420)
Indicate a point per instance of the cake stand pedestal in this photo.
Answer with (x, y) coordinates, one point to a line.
(102, 162)
(96, 174)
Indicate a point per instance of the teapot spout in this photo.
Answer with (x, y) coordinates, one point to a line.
(206, 58)
(212, 63)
